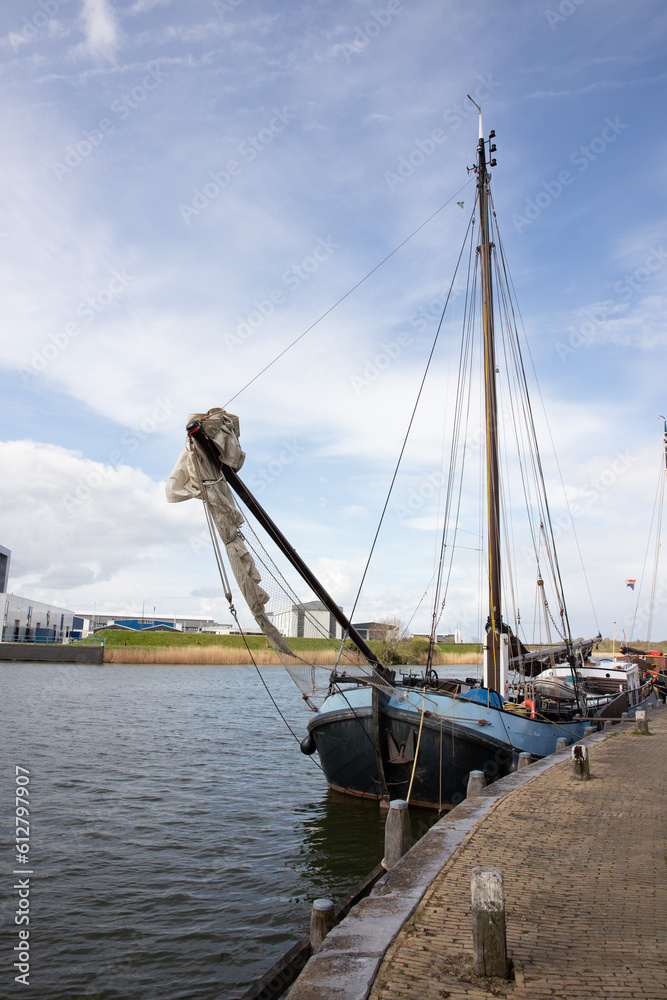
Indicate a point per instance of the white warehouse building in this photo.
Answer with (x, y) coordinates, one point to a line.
(25, 620)
(311, 620)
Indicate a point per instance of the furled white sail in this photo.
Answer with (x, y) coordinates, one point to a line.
(193, 477)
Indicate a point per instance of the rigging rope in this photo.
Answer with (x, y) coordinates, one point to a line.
(409, 427)
(465, 365)
(419, 739)
(228, 594)
(515, 308)
(348, 293)
(656, 515)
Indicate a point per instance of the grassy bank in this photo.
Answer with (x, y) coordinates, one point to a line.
(196, 648)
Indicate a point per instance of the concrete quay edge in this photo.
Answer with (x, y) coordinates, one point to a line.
(347, 963)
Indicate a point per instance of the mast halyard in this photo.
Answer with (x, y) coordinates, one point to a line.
(493, 657)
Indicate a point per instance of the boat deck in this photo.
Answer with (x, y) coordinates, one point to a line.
(585, 888)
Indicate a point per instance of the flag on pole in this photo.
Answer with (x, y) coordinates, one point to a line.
(630, 584)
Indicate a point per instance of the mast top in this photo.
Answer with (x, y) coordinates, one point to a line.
(479, 110)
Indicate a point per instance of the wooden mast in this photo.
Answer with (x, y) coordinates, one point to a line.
(493, 638)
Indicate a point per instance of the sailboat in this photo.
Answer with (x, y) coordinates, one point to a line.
(652, 662)
(416, 737)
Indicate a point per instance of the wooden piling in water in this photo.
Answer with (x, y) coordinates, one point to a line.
(321, 922)
(489, 934)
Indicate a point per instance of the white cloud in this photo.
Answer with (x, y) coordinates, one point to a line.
(354, 510)
(357, 116)
(72, 523)
(100, 28)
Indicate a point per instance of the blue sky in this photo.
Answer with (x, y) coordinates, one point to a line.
(187, 186)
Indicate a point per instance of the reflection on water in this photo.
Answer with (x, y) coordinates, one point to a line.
(178, 835)
(339, 833)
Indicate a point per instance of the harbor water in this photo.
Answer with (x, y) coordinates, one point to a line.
(177, 835)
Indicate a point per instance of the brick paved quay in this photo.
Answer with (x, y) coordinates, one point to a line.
(585, 876)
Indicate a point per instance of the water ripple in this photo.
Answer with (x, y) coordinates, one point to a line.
(178, 836)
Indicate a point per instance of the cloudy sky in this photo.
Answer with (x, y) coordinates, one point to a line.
(188, 185)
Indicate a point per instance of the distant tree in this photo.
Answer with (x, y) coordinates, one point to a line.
(387, 634)
(419, 649)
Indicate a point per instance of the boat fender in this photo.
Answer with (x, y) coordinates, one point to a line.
(307, 745)
(531, 706)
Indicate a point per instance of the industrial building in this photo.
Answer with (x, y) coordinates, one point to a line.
(25, 620)
(311, 620)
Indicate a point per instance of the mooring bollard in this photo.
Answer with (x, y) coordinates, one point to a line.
(607, 724)
(476, 783)
(561, 743)
(589, 730)
(624, 716)
(489, 937)
(581, 769)
(396, 833)
(321, 922)
(525, 759)
(641, 722)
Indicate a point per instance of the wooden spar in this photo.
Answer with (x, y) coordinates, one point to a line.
(493, 674)
(197, 433)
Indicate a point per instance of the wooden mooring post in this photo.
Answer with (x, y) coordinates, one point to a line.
(641, 722)
(321, 922)
(476, 783)
(397, 832)
(489, 935)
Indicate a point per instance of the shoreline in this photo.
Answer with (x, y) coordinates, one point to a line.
(224, 656)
